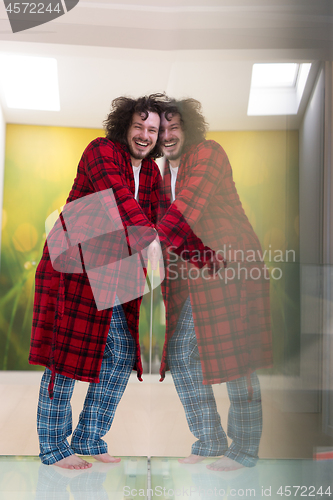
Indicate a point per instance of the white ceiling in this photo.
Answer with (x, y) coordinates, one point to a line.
(197, 48)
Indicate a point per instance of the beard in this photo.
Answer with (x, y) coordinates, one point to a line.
(173, 155)
(137, 154)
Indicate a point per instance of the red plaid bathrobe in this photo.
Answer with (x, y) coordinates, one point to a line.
(232, 321)
(68, 332)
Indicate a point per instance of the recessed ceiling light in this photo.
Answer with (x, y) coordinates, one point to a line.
(30, 82)
(277, 88)
(274, 75)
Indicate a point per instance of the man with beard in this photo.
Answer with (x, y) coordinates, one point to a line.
(217, 325)
(71, 336)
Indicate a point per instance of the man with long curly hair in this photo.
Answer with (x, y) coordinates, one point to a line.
(217, 324)
(72, 337)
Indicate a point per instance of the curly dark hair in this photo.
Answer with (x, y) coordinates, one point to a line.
(192, 120)
(119, 119)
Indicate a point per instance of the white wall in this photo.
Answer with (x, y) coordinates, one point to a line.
(311, 176)
(328, 258)
(311, 167)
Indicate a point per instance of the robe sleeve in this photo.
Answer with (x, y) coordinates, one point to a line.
(207, 167)
(103, 165)
(156, 196)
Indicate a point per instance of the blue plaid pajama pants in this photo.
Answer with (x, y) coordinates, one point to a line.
(54, 417)
(244, 418)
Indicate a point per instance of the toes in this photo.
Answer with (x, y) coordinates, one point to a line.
(215, 467)
(106, 458)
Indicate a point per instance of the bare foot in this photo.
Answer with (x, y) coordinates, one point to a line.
(192, 459)
(106, 458)
(73, 462)
(225, 464)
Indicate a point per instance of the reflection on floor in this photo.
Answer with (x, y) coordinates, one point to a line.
(275, 479)
(25, 478)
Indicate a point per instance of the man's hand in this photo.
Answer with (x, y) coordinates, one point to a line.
(154, 253)
(215, 264)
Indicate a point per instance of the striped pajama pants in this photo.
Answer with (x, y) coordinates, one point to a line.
(54, 417)
(244, 418)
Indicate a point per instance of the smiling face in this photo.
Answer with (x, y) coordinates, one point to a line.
(172, 137)
(142, 136)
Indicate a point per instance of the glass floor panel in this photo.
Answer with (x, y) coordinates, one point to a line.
(25, 478)
(271, 479)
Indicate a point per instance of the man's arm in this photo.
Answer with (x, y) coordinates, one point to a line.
(156, 195)
(206, 174)
(104, 168)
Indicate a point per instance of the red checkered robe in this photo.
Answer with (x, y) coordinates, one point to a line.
(68, 332)
(232, 321)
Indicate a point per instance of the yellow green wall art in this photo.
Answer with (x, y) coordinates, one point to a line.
(40, 166)
(266, 173)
